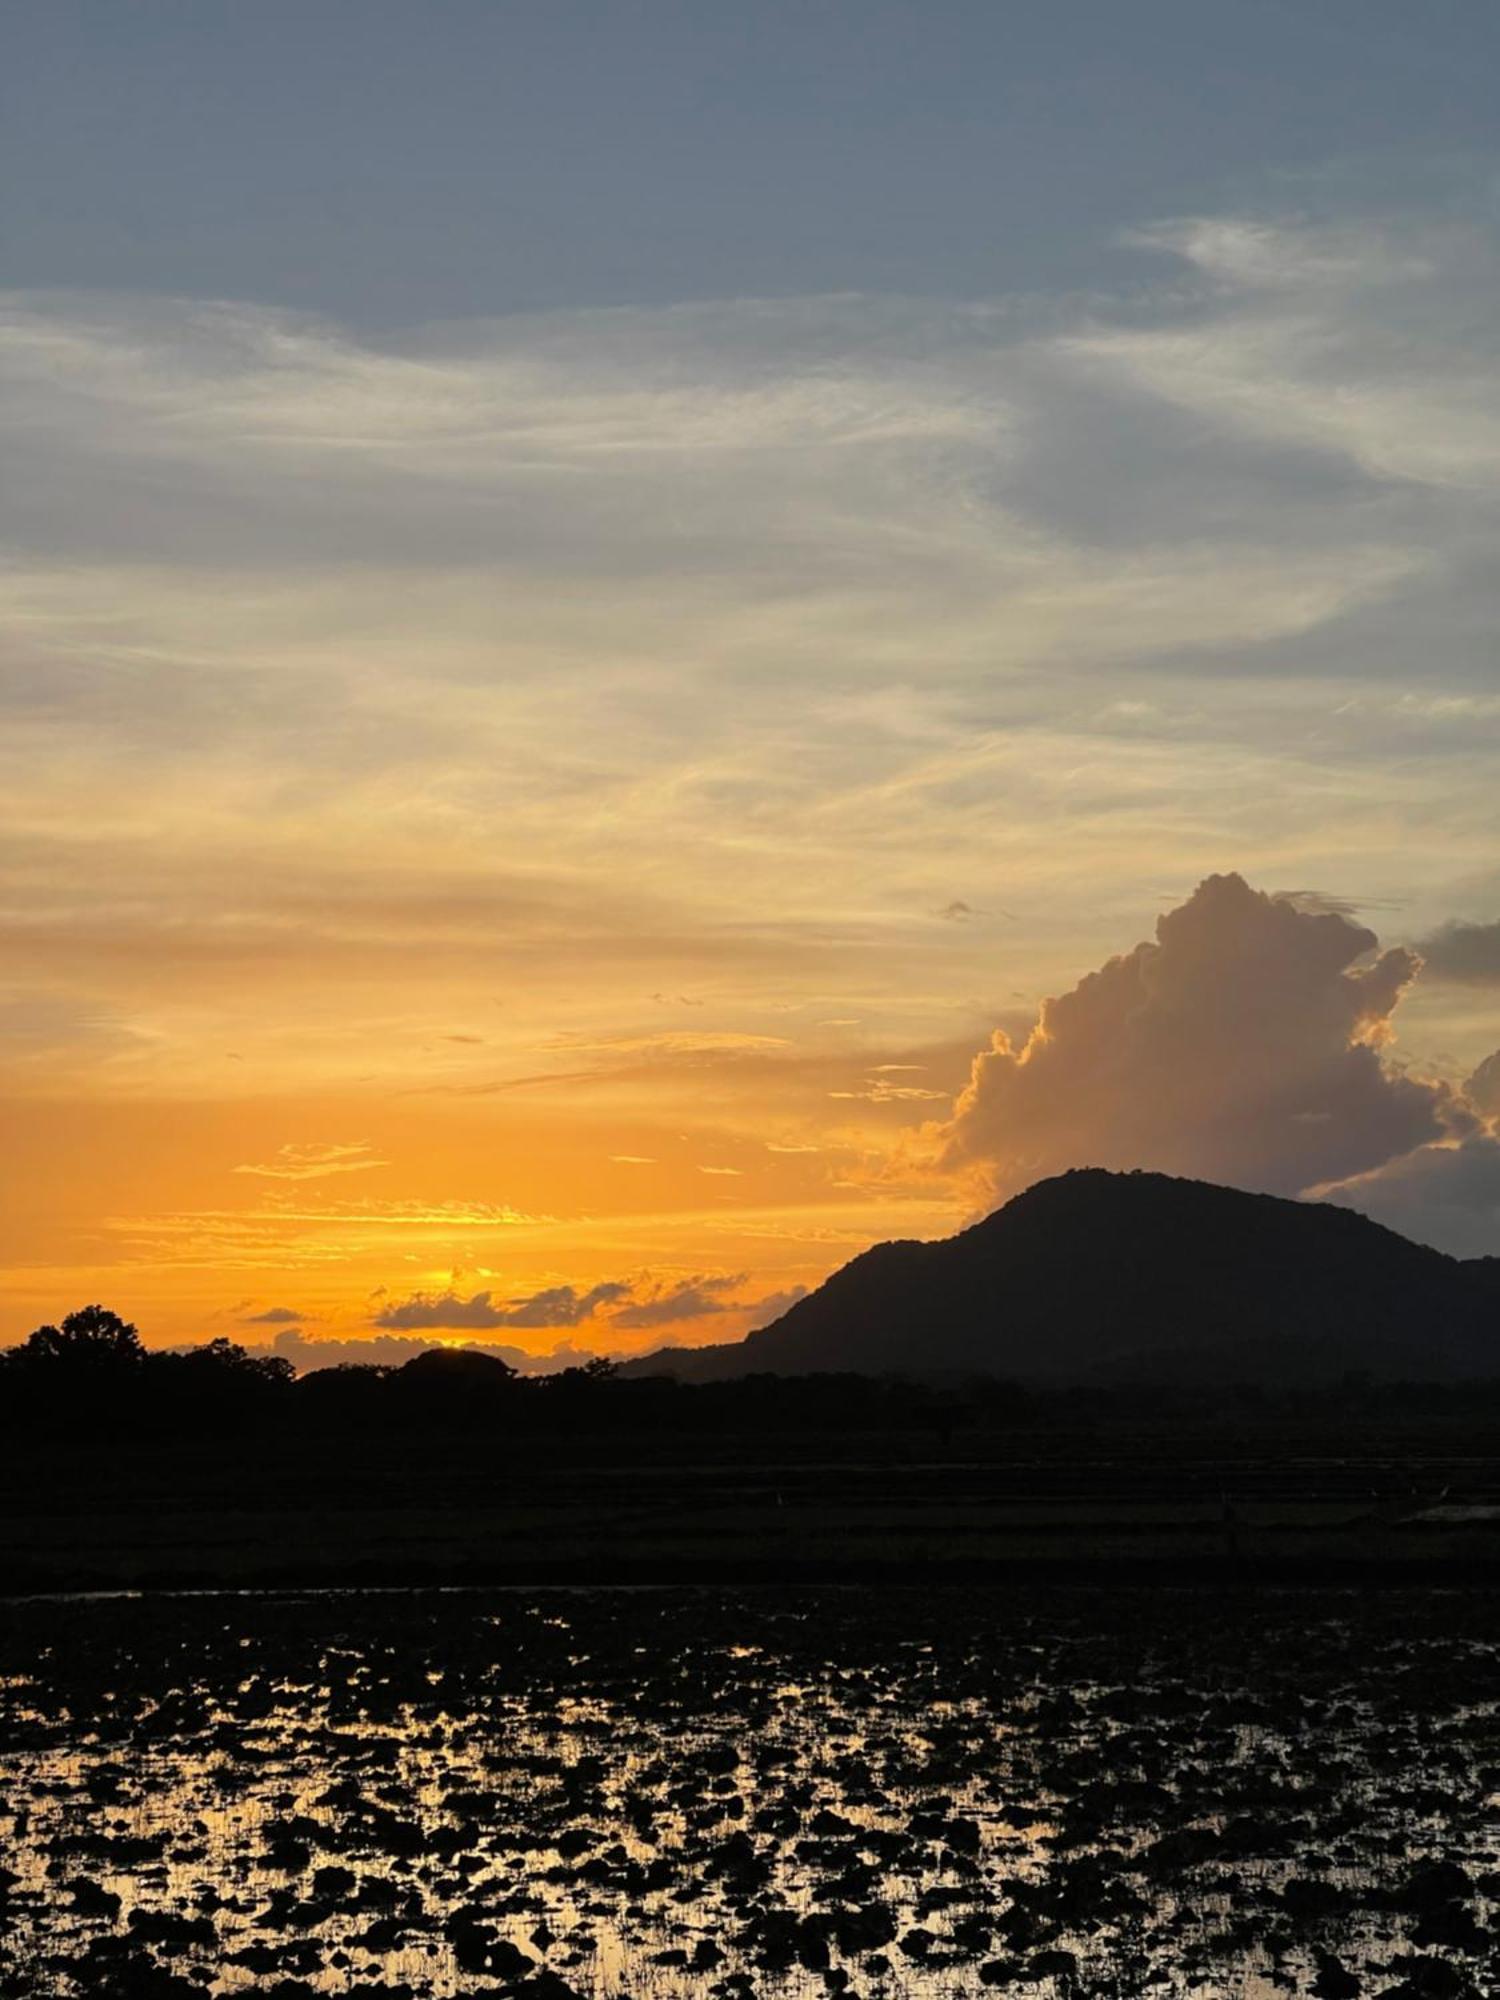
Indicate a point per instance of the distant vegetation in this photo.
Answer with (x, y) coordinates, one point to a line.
(1092, 1298)
(92, 1377)
(94, 1374)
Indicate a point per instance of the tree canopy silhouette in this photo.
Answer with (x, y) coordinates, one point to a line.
(91, 1338)
(92, 1375)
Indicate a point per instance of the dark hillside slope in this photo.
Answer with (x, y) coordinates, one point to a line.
(1102, 1276)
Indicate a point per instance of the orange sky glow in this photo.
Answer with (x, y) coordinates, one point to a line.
(519, 829)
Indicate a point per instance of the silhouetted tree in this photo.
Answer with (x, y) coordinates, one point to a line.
(91, 1338)
(355, 1396)
(216, 1387)
(453, 1388)
(226, 1359)
(89, 1379)
(83, 1377)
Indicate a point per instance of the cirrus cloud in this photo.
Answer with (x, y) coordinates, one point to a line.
(315, 1162)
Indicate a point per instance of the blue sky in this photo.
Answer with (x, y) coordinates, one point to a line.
(396, 162)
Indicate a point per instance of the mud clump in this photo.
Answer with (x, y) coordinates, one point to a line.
(673, 1794)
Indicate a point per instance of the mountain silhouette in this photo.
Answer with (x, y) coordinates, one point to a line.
(1096, 1276)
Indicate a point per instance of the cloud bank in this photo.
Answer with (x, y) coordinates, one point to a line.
(1448, 1196)
(559, 1305)
(626, 1306)
(390, 1350)
(1468, 954)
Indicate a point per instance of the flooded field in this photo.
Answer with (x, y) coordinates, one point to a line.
(670, 1793)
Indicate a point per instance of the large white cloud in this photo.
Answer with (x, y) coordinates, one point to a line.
(1243, 1045)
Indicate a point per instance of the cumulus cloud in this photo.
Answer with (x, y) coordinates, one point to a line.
(1483, 1087)
(1468, 954)
(1447, 1194)
(275, 1316)
(1243, 1045)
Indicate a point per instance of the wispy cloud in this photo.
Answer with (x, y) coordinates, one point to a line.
(671, 1043)
(885, 507)
(531, 676)
(315, 1162)
(293, 1235)
(880, 1090)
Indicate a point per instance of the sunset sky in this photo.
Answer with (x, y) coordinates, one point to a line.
(600, 603)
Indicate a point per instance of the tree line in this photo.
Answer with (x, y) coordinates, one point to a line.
(93, 1374)
(92, 1377)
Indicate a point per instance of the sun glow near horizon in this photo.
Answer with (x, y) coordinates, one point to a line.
(515, 796)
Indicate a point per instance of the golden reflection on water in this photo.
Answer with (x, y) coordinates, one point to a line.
(587, 1814)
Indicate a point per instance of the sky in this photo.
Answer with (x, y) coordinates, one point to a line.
(642, 644)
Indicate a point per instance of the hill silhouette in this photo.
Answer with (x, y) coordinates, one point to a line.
(1098, 1277)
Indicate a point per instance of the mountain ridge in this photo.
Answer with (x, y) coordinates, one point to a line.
(1096, 1276)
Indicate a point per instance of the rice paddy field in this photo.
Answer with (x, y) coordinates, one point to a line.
(940, 1791)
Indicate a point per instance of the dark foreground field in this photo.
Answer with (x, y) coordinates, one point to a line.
(669, 1793)
(1209, 1500)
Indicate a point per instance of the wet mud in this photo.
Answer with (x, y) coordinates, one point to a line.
(693, 1792)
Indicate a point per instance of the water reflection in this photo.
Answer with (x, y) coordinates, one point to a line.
(688, 1793)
